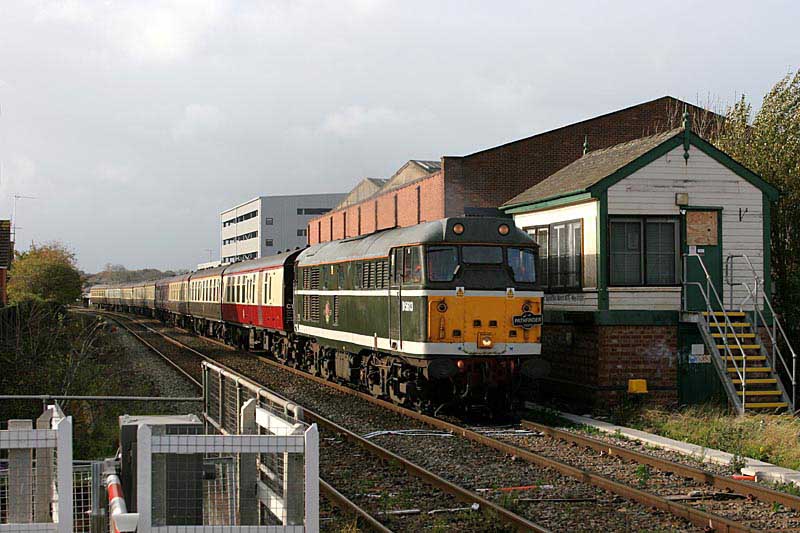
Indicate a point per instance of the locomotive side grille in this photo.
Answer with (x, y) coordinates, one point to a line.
(314, 278)
(382, 275)
(335, 309)
(313, 308)
(371, 278)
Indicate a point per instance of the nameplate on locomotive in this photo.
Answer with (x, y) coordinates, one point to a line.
(526, 320)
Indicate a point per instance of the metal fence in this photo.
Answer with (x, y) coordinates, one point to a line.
(258, 471)
(36, 477)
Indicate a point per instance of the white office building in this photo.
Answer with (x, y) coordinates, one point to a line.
(270, 224)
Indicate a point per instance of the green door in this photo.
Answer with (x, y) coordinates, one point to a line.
(702, 246)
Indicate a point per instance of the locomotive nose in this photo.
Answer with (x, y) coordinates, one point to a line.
(487, 323)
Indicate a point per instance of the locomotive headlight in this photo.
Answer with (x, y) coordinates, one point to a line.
(458, 229)
(485, 340)
(503, 229)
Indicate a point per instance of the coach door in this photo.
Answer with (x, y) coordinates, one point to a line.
(395, 296)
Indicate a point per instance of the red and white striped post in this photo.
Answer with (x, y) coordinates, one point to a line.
(121, 519)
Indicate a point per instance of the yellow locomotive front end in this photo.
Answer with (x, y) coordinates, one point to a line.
(487, 323)
(483, 307)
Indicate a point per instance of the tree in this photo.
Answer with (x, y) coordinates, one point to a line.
(45, 272)
(770, 146)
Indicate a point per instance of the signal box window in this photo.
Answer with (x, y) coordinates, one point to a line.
(643, 251)
(441, 263)
(560, 255)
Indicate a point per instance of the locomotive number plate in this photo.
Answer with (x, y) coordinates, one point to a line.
(526, 320)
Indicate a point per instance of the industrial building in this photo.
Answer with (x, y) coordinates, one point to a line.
(478, 183)
(269, 224)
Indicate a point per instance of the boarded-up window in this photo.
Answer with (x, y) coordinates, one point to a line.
(701, 228)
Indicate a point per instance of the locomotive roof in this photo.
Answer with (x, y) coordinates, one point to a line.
(476, 230)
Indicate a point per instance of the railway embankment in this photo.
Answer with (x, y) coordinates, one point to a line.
(47, 350)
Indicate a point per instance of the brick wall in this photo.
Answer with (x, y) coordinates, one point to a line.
(638, 352)
(489, 178)
(591, 364)
(419, 201)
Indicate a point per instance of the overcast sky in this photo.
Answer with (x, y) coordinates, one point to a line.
(135, 123)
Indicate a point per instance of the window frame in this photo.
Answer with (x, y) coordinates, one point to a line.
(544, 271)
(642, 220)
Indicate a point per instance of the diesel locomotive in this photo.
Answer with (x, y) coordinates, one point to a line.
(444, 312)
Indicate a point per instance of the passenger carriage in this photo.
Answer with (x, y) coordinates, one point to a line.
(257, 298)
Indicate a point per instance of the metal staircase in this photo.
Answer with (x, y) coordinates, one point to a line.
(755, 377)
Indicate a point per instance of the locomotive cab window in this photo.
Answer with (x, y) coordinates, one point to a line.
(412, 266)
(522, 262)
(482, 255)
(441, 263)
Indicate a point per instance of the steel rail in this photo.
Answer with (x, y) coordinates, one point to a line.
(758, 492)
(697, 517)
(345, 504)
(517, 521)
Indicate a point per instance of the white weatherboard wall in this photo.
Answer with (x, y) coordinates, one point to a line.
(651, 191)
(587, 212)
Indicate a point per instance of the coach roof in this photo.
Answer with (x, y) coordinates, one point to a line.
(476, 230)
(260, 263)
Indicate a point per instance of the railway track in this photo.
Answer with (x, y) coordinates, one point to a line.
(388, 478)
(756, 511)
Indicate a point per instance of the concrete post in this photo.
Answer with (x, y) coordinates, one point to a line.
(312, 478)
(44, 473)
(64, 473)
(20, 477)
(293, 495)
(248, 472)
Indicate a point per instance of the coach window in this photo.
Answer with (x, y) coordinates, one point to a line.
(441, 263)
(412, 266)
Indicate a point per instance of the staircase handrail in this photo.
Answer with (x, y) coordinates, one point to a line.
(728, 324)
(776, 324)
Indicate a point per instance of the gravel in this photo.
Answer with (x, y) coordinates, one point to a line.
(580, 506)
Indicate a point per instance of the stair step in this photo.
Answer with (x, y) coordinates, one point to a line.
(761, 393)
(720, 313)
(736, 346)
(749, 358)
(766, 405)
(734, 335)
(751, 369)
(733, 324)
(755, 381)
